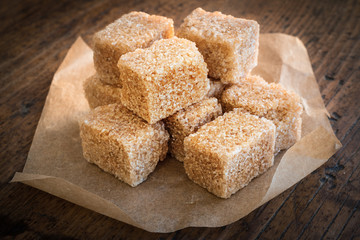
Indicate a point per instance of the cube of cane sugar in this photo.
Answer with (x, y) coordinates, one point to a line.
(131, 31)
(187, 121)
(229, 45)
(162, 79)
(224, 155)
(216, 89)
(98, 93)
(272, 101)
(121, 143)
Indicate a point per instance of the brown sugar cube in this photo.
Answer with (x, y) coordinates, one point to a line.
(216, 89)
(98, 93)
(187, 121)
(272, 101)
(224, 155)
(162, 79)
(123, 144)
(131, 31)
(229, 45)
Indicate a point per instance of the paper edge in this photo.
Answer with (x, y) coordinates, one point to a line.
(331, 140)
(84, 47)
(64, 64)
(37, 180)
(32, 180)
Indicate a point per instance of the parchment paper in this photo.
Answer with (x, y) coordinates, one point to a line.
(168, 200)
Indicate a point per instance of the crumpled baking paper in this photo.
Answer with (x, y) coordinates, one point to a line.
(168, 200)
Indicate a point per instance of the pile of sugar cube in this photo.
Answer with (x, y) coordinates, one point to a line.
(191, 95)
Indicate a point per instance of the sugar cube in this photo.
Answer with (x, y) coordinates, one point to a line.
(272, 101)
(188, 121)
(98, 93)
(123, 144)
(162, 79)
(229, 45)
(224, 155)
(131, 31)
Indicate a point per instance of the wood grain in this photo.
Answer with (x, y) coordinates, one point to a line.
(35, 36)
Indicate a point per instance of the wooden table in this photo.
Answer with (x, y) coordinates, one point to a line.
(35, 36)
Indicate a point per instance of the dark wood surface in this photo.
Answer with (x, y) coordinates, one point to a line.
(34, 38)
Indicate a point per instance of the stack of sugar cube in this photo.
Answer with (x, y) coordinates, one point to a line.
(155, 92)
(128, 33)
